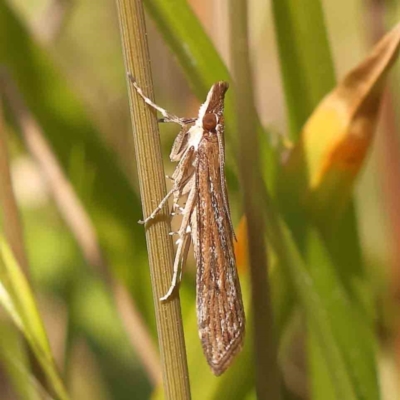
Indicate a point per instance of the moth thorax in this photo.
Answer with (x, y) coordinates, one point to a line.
(209, 122)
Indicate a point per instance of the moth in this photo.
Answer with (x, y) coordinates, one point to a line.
(206, 222)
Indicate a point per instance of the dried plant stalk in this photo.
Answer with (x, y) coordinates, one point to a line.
(153, 189)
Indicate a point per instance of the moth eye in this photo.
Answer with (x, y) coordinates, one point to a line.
(209, 122)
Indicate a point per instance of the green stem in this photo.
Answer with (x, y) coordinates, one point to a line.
(267, 374)
(152, 190)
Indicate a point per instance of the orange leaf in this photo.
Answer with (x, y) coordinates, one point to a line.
(241, 246)
(323, 165)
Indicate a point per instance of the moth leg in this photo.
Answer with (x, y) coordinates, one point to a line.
(183, 242)
(185, 252)
(180, 259)
(178, 182)
(168, 117)
(159, 207)
(177, 209)
(182, 121)
(193, 232)
(182, 175)
(189, 231)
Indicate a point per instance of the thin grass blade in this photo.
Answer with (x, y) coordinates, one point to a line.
(17, 299)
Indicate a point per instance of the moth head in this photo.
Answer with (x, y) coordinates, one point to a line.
(221, 87)
(216, 97)
(214, 104)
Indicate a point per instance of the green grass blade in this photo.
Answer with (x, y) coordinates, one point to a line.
(308, 75)
(15, 363)
(184, 33)
(305, 58)
(200, 61)
(344, 339)
(17, 299)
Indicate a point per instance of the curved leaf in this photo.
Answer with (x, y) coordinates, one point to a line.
(17, 299)
(338, 135)
(343, 337)
(16, 364)
(304, 55)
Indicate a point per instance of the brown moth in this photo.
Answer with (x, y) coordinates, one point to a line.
(206, 222)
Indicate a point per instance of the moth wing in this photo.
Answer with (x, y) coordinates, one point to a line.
(220, 314)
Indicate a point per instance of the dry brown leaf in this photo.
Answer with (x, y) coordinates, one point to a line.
(334, 142)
